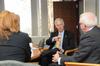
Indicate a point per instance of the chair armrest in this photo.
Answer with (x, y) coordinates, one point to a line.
(70, 51)
(37, 52)
(80, 64)
(42, 49)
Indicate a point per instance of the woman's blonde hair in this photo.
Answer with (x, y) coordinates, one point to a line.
(9, 23)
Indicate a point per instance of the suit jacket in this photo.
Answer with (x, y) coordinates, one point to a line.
(16, 48)
(89, 48)
(68, 40)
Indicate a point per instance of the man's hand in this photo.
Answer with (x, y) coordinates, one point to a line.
(56, 38)
(56, 57)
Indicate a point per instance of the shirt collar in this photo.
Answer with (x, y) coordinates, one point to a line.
(91, 28)
(61, 32)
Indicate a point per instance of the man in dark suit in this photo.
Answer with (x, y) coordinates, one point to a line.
(66, 42)
(89, 47)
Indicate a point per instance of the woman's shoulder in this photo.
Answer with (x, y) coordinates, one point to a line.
(22, 34)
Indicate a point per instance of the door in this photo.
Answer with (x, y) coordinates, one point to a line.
(69, 11)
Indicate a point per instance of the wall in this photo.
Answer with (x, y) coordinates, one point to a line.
(90, 5)
(85, 5)
(44, 15)
(93, 6)
(1, 5)
(34, 17)
(39, 20)
(81, 4)
(98, 12)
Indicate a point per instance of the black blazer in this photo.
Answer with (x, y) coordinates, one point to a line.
(16, 48)
(68, 40)
(89, 48)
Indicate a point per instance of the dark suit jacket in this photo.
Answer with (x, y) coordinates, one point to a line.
(89, 48)
(68, 40)
(16, 48)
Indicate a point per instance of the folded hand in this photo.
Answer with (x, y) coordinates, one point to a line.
(55, 57)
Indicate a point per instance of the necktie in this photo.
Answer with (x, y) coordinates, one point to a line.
(59, 41)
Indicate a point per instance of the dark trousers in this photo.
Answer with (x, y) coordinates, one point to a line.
(45, 60)
(55, 64)
(46, 57)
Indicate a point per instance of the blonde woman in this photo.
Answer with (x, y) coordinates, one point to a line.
(14, 44)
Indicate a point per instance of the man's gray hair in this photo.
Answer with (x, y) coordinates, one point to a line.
(59, 20)
(89, 19)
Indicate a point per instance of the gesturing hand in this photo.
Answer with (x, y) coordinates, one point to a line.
(55, 38)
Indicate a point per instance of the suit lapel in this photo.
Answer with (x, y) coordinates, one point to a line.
(55, 33)
(64, 44)
(65, 35)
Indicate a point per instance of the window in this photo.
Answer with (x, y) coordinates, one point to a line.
(23, 9)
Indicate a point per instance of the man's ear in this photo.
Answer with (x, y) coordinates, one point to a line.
(84, 26)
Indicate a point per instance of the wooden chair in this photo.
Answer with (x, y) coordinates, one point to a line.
(37, 52)
(80, 64)
(71, 51)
